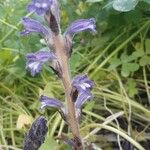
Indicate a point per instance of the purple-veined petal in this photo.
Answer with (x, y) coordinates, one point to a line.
(50, 102)
(81, 25)
(81, 92)
(82, 98)
(36, 135)
(36, 60)
(39, 6)
(82, 83)
(31, 7)
(32, 25)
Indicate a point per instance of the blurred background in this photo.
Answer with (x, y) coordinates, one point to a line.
(117, 59)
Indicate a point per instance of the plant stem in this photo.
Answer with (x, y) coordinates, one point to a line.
(66, 80)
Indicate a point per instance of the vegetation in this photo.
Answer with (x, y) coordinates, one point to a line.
(117, 59)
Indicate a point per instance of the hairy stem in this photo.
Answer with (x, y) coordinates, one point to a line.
(66, 80)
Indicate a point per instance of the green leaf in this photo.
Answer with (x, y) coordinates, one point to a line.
(128, 68)
(147, 1)
(124, 71)
(124, 5)
(115, 62)
(147, 46)
(131, 87)
(127, 58)
(50, 143)
(138, 53)
(145, 60)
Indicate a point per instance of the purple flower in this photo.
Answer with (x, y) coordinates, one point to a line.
(82, 83)
(82, 98)
(33, 26)
(81, 25)
(36, 60)
(36, 135)
(51, 102)
(39, 6)
(46, 101)
(84, 86)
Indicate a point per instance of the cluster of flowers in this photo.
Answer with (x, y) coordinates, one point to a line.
(49, 9)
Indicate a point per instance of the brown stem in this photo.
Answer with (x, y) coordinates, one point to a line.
(66, 80)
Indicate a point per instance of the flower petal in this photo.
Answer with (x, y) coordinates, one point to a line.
(46, 102)
(39, 6)
(81, 25)
(31, 7)
(36, 60)
(36, 135)
(82, 98)
(51, 102)
(82, 83)
(32, 25)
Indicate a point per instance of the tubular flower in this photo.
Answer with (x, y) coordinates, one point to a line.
(84, 86)
(36, 60)
(36, 135)
(39, 6)
(46, 101)
(79, 26)
(82, 98)
(32, 25)
(82, 83)
(51, 102)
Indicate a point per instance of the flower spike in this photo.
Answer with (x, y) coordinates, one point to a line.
(32, 25)
(39, 6)
(36, 60)
(79, 26)
(36, 135)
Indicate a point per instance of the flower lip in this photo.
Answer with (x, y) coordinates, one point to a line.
(39, 6)
(46, 101)
(36, 60)
(81, 25)
(32, 25)
(82, 83)
(51, 102)
(82, 98)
